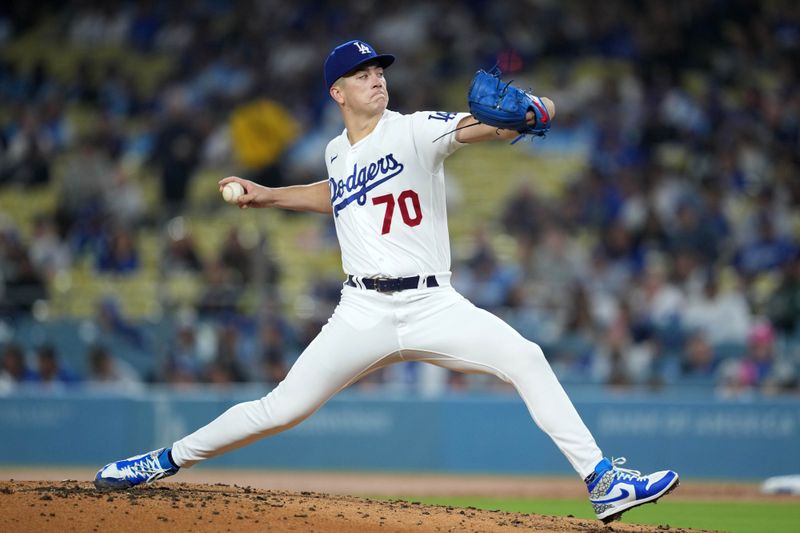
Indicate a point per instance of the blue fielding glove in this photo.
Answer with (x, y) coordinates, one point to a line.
(504, 106)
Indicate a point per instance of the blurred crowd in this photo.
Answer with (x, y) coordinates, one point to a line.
(674, 258)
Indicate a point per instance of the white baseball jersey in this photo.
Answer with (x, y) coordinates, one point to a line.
(388, 195)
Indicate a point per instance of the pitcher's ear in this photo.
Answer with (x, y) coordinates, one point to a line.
(336, 93)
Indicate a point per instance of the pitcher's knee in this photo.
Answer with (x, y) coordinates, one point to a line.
(536, 350)
(530, 358)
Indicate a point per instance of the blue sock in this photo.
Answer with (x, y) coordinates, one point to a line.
(166, 457)
(601, 468)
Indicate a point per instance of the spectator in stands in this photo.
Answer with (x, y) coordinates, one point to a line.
(109, 372)
(22, 284)
(124, 200)
(650, 236)
(184, 364)
(111, 322)
(245, 256)
(181, 255)
(49, 254)
(626, 356)
(699, 364)
(605, 278)
(554, 261)
(688, 272)
(39, 133)
(273, 350)
(714, 220)
(176, 34)
(50, 372)
(767, 251)
(761, 368)
(228, 365)
(178, 143)
(783, 305)
(220, 297)
(99, 25)
(235, 351)
(86, 176)
(531, 317)
(14, 368)
(117, 94)
(768, 203)
(144, 25)
(688, 233)
(236, 258)
(618, 247)
(486, 281)
(118, 253)
(656, 303)
(27, 164)
(722, 317)
(575, 353)
(522, 215)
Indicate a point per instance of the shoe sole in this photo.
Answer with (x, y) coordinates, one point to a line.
(631, 505)
(108, 484)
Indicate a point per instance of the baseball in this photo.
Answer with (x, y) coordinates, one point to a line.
(232, 191)
(551, 107)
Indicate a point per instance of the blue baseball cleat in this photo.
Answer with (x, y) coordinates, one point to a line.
(614, 490)
(136, 470)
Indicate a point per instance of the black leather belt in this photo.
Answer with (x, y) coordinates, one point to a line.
(390, 284)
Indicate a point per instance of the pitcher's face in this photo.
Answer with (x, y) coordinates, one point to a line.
(364, 91)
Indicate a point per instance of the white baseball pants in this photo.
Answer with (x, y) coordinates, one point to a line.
(369, 330)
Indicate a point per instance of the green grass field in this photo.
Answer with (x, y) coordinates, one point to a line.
(737, 517)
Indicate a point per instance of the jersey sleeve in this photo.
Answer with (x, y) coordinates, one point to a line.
(434, 136)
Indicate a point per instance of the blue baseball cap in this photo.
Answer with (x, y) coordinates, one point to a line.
(349, 56)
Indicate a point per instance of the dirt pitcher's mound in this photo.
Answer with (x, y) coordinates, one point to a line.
(47, 506)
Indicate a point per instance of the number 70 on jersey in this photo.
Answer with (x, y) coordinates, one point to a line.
(408, 204)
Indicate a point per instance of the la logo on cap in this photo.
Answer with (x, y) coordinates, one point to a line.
(363, 48)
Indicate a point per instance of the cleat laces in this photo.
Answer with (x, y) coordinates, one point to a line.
(626, 473)
(149, 468)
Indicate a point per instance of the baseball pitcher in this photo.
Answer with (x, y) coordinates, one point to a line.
(386, 193)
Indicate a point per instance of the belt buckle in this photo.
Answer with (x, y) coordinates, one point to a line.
(378, 284)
